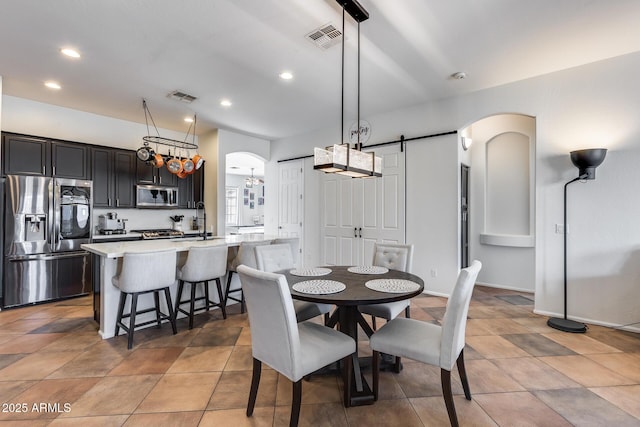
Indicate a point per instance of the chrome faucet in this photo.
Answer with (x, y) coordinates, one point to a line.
(198, 206)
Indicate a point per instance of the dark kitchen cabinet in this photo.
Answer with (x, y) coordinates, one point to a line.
(29, 155)
(185, 192)
(148, 174)
(102, 168)
(190, 189)
(114, 178)
(25, 155)
(198, 185)
(124, 182)
(70, 160)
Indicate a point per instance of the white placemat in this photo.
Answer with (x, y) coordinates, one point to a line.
(319, 287)
(368, 269)
(317, 271)
(393, 286)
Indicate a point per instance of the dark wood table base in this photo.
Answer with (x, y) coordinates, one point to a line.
(348, 318)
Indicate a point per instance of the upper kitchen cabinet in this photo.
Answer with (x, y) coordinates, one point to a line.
(125, 172)
(198, 185)
(25, 155)
(28, 155)
(70, 160)
(102, 167)
(190, 190)
(148, 174)
(114, 174)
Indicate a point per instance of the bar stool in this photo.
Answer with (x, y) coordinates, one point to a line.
(144, 272)
(247, 256)
(204, 263)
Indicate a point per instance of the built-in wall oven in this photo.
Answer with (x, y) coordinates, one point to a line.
(45, 222)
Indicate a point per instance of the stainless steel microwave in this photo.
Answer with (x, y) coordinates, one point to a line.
(155, 196)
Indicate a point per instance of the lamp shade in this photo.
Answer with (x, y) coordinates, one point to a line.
(588, 160)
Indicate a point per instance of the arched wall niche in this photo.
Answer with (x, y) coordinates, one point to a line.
(508, 185)
(502, 199)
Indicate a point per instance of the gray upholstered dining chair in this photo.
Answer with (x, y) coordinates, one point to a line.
(395, 257)
(246, 256)
(276, 257)
(277, 339)
(432, 344)
(203, 264)
(294, 244)
(141, 273)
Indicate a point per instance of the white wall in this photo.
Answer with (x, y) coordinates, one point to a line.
(140, 219)
(505, 265)
(208, 145)
(1, 98)
(584, 107)
(51, 121)
(432, 210)
(0, 106)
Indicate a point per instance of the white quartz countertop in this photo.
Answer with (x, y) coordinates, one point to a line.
(117, 249)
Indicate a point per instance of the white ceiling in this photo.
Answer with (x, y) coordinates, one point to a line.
(235, 49)
(244, 164)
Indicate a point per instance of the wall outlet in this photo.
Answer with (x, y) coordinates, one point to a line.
(434, 272)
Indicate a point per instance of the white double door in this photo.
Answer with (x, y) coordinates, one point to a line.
(356, 212)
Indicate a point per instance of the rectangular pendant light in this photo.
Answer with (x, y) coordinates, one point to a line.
(341, 158)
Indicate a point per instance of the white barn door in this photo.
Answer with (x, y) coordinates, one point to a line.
(356, 213)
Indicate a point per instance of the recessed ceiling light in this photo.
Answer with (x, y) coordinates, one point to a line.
(188, 119)
(72, 53)
(225, 103)
(286, 75)
(52, 85)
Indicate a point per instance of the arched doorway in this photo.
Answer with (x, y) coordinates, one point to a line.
(244, 193)
(501, 199)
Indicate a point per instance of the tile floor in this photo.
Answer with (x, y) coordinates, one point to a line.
(521, 373)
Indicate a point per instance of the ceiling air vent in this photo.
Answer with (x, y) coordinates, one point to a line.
(324, 37)
(181, 96)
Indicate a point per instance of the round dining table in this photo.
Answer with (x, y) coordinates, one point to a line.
(356, 292)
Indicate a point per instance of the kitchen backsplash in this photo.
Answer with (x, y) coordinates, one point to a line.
(138, 219)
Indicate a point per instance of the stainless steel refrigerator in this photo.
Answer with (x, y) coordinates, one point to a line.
(45, 222)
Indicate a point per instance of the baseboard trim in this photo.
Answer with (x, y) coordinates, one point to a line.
(435, 294)
(509, 288)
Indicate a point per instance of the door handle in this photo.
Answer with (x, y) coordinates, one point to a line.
(355, 231)
(360, 232)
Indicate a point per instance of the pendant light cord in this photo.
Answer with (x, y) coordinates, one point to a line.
(359, 147)
(342, 84)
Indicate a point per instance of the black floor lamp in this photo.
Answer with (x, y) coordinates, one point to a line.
(586, 161)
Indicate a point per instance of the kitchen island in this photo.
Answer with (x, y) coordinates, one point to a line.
(110, 261)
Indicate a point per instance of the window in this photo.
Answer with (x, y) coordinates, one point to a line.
(231, 206)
